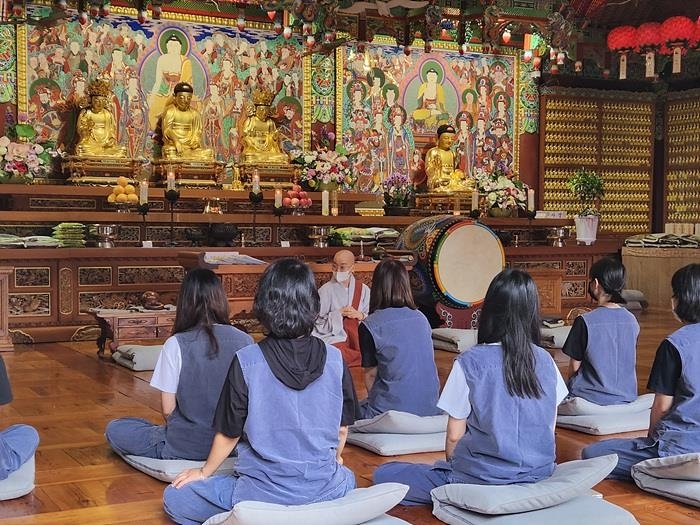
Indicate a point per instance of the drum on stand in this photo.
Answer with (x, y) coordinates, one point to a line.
(456, 260)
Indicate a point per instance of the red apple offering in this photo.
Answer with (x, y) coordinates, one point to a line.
(296, 187)
(295, 201)
(286, 201)
(303, 195)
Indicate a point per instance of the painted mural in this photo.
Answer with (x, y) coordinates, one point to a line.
(144, 62)
(393, 104)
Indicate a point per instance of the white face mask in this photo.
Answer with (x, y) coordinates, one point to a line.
(341, 277)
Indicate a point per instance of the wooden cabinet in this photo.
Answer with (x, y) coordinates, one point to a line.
(128, 326)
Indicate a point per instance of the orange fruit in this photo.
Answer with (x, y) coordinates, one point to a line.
(122, 197)
(118, 190)
(132, 198)
(122, 181)
(129, 189)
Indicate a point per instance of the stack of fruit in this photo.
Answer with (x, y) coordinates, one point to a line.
(123, 193)
(297, 200)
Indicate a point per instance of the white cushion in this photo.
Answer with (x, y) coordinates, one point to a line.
(577, 406)
(454, 339)
(558, 334)
(396, 422)
(167, 469)
(357, 506)
(583, 510)
(137, 357)
(398, 444)
(604, 424)
(569, 480)
(676, 489)
(682, 467)
(19, 483)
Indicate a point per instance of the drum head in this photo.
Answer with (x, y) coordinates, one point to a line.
(465, 258)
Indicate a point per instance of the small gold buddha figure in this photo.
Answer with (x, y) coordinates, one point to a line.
(260, 136)
(440, 165)
(96, 126)
(182, 128)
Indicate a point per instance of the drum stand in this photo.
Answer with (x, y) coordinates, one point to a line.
(172, 196)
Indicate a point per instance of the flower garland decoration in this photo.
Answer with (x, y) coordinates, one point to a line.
(323, 167)
(500, 188)
(24, 161)
(398, 190)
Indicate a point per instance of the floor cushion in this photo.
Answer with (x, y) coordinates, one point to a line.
(19, 483)
(577, 406)
(674, 477)
(137, 357)
(453, 339)
(394, 433)
(604, 424)
(556, 335)
(364, 505)
(167, 469)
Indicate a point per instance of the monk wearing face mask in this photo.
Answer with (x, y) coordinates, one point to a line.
(344, 303)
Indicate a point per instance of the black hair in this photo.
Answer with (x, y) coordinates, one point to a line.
(201, 304)
(685, 285)
(445, 128)
(510, 316)
(391, 286)
(611, 277)
(287, 301)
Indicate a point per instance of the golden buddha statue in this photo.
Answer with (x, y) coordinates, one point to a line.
(260, 136)
(440, 165)
(96, 126)
(182, 128)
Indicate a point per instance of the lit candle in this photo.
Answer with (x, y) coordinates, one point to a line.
(334, 203)
(475, 200)
(325, 202)
(256, 183)
(278, 198)
(170, 181)
(143, 192)
(530, 199)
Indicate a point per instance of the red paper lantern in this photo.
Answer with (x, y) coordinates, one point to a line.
(678, 30)
(649, 36)
(696, 38)
(623, 38)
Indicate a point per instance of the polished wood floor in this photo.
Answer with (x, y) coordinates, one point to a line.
(69, 395)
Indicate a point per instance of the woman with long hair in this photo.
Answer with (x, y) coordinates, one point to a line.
(285, 407)
(397, 349)
(190, 372)
(501, 398)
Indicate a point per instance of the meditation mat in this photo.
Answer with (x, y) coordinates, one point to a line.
(168, 469)
(394, 433)
(137, 357)
(19, 483)
(583, 416)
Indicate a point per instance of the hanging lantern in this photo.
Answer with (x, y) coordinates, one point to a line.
(407, 51)
(578, 66)
(329, 36)
(105, 9)
(310, 41)
(552, 54)
(287, 32)
(561, 57)
(277, 27)
(142, 16)
(240, 23)
(307, 28)
(554, 69)
(527, 55)
(428, 46)
(271, 14)
(506, 36)
(536, 62)
(677, 33)
(94, 10)
(649, 41)
(622, 40)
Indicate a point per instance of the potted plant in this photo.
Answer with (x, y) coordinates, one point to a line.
(588, 187)
(398, 194)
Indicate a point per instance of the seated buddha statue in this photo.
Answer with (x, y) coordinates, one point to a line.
(96, 126)
(440, 165)
(182, 128)
(260, 136)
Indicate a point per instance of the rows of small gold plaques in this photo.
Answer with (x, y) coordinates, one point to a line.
(683, 161)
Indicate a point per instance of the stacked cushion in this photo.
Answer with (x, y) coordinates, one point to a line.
(674, 477)
(137, 357)
(394, 433)
(167, 469)
(581, 415)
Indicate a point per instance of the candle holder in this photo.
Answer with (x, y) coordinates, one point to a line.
(172, 196)
(255, 199)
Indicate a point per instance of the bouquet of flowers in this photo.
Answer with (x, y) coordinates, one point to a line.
(23, 160)
(398, 190)
(323, 167)
(501, 188)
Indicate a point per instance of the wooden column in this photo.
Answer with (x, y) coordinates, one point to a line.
(5, 339)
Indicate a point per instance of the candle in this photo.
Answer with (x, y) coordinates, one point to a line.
(530, 199)
(143, 192)
(256, 183)
(278, 198)
(325, 197)
(334, 203)
(475, 200)
(170, 181)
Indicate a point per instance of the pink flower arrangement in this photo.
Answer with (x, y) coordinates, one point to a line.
(23, 161)
(323, 167)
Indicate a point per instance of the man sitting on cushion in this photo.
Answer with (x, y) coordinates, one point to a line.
(344, 303)
(18, 443)
(674, 424)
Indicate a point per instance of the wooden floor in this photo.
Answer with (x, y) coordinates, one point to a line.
(69, 395)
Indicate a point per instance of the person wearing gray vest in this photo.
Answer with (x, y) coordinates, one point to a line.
(285, 407)
(674, 424)
(190, 373)
(397, 348)
(602, 343)
(501, 397)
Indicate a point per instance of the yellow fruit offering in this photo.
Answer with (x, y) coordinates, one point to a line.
(129, 189)
(122, 197)
(132, 198)
(118, 190)
(111, 198)
(122, 181)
